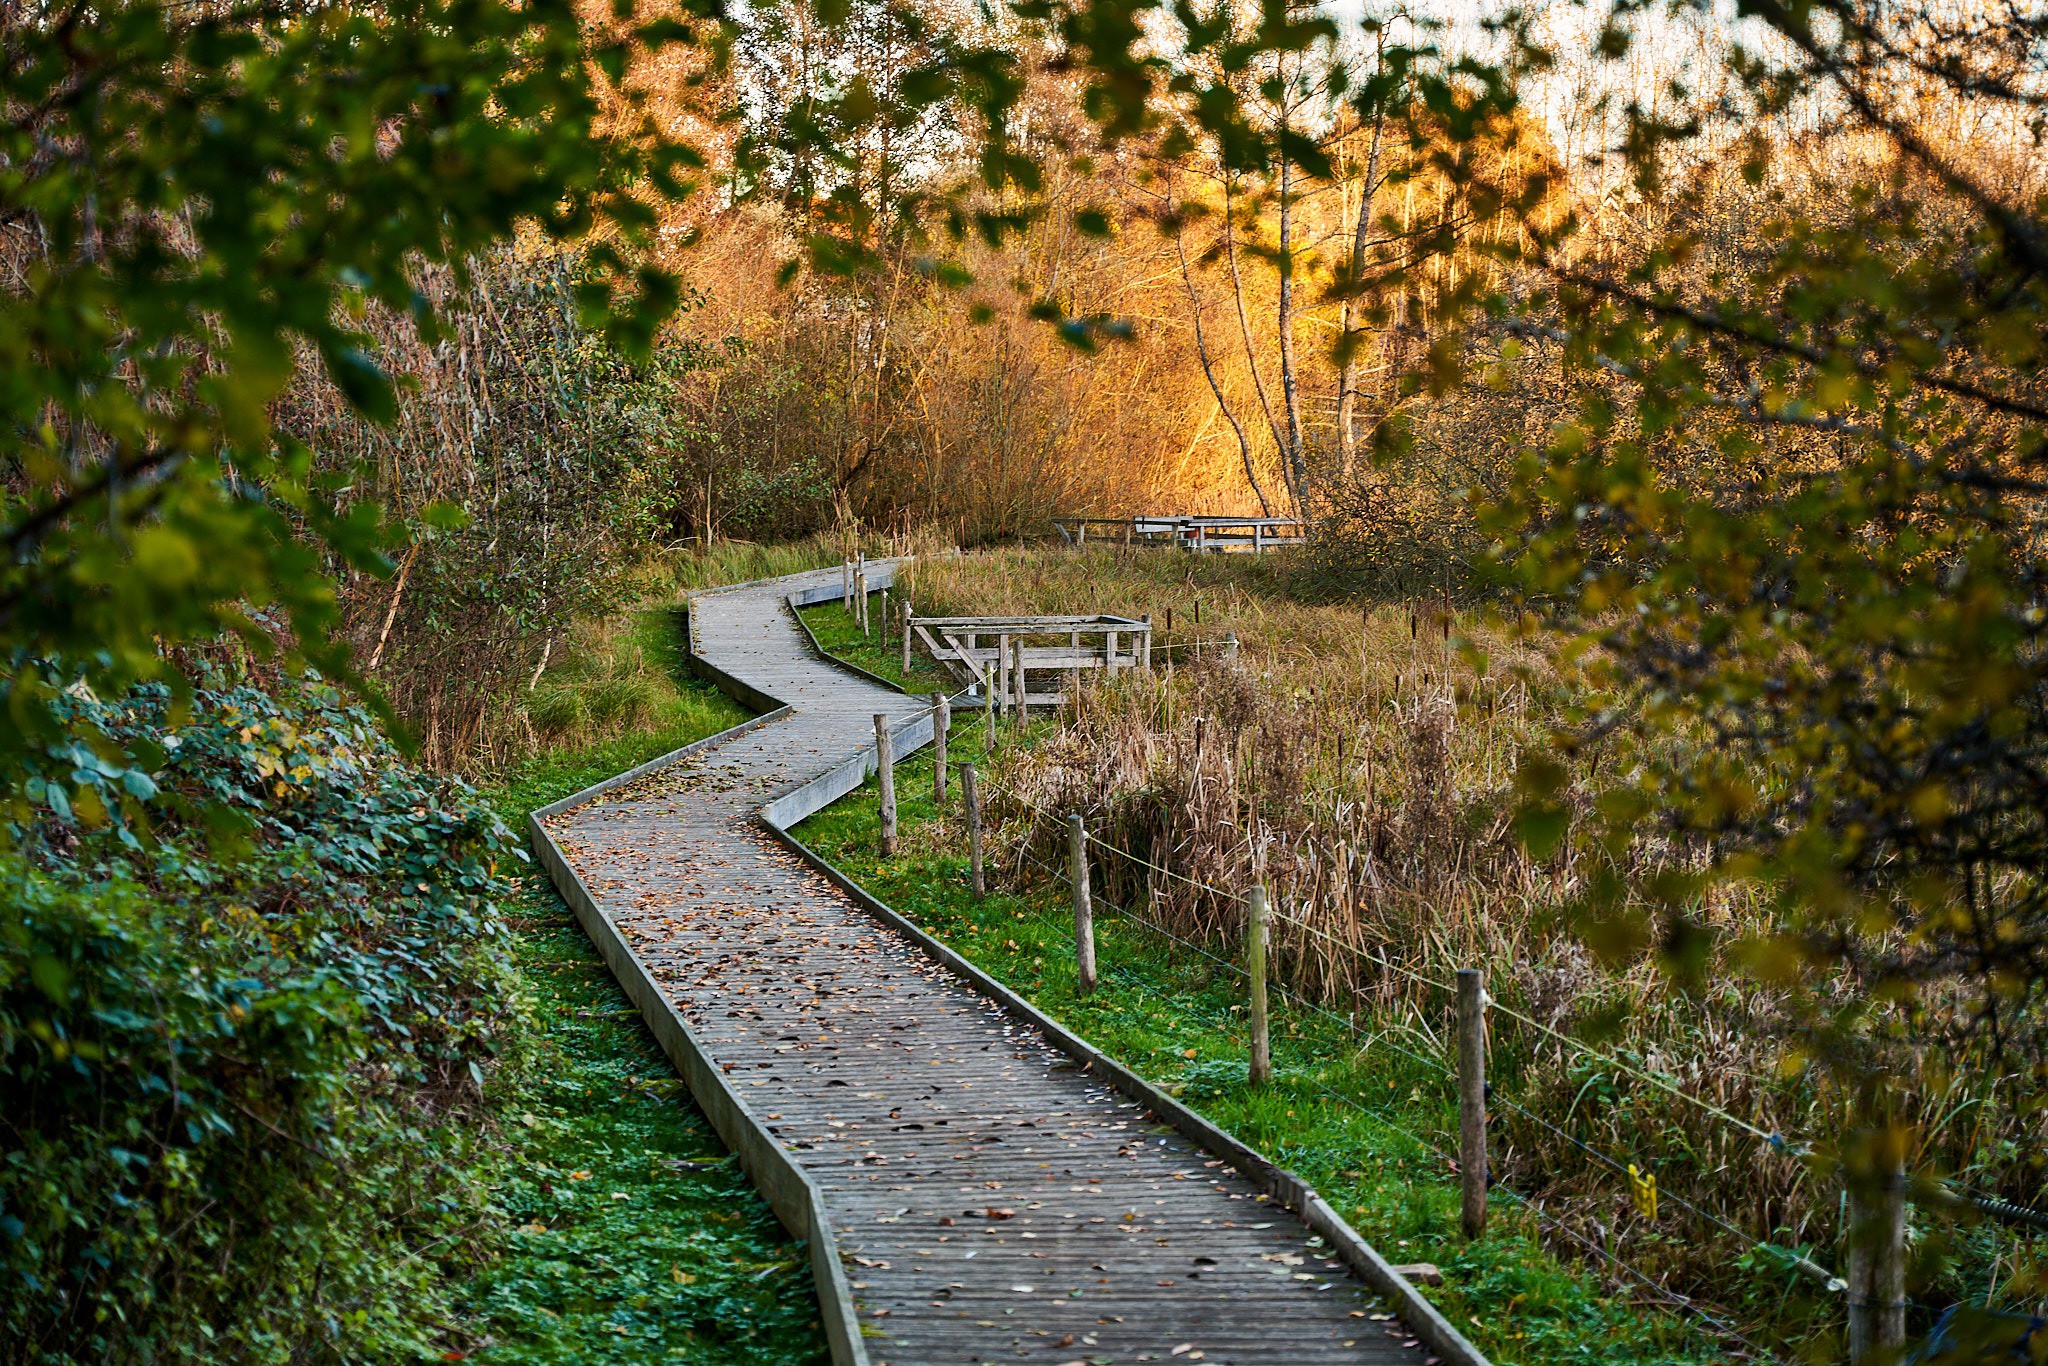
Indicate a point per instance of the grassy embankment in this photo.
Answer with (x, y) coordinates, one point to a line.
(634, 1236)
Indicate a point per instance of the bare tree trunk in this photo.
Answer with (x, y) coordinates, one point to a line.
(1244, 444)
(1351, 340)
(1244, 324)
(391, 614)
(1293, 460)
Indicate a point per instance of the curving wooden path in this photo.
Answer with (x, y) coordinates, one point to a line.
(992, 1201)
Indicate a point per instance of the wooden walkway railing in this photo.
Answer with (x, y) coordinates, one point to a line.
(1216, 535)
(998, 655)
(977, 1183)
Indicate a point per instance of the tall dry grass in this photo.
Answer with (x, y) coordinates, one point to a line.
(1360, 761)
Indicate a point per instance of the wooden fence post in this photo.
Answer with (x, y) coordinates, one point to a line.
(1084, 907)
(1001, 673)
(1145, 644)
(988, 704)
(1472, 1099)
(1230, 646)
(1877, 1256)
(906, 643)
(846, 585)
(942, 721)
(1261, 1070)
(1023, 691)
(885, 616)
(970, 798)
(860, 592)
(885, 766)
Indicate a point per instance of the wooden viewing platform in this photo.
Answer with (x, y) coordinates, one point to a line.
(976, 1183)
(997, 655)
(1216, 535)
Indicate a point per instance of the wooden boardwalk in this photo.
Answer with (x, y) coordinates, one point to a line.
(992, 1201)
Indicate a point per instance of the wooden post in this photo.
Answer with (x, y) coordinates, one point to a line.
(1145, 644)
(988, 703)
(1258, 538)
(885, 616)
(942, 721)
(1877, 1255)
(1472, 1099)
(905, 609)
(1002, 674)
(846, 585)
(1109, 661)
(970, 798)
(1084, 908)
(860, 592)
(885, 765)
(1023, 690)
(1255, 966)
(1230, 646)
(1074, 674)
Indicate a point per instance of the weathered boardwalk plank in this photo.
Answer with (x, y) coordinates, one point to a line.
(993, 1202)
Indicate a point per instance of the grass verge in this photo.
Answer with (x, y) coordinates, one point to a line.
(839, 634)
(632, 1235)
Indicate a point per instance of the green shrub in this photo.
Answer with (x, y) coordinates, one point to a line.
(245, 1003)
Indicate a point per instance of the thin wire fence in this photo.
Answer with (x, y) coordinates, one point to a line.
(1670, 1085)
(1783, 1256)
(1715, 1323)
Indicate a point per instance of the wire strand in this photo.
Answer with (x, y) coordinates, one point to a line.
(1670, 1085)
(1790, 1259)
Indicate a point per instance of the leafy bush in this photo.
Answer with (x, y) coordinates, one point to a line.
(245, 1002)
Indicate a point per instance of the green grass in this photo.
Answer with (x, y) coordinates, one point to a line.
(1334, 1114)
(838, 634)
(633, 1236)
(723, 562)
(677, 710)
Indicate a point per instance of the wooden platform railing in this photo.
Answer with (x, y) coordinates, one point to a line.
(1216, 535)
(999, 656)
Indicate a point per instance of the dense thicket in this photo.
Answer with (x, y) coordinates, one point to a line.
(248, 984)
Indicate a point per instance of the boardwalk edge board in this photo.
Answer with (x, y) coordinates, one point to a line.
(791, 1194)
(800, 600)
(1287, 1189)
(795, 1199)
(811, 598)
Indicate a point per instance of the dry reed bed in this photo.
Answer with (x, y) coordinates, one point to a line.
(1361, 765)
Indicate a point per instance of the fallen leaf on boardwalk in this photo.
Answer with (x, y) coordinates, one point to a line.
(1001, 1214)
